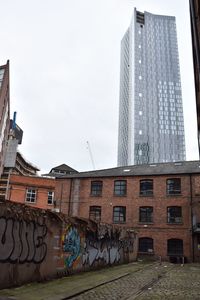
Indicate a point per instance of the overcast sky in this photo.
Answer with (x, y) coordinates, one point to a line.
(64, 74)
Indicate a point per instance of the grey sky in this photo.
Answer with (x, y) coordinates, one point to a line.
(64, 73)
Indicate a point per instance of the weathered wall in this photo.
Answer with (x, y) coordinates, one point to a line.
(37, 245)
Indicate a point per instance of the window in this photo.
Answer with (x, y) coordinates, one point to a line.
(146, 214)
(146, 245)
(146, 187)
(174, 214)
(96, 188)
(95, 213)
(50, 197)
(120, 188)
(175, 247)
(174, 186)
(119, 214)
(31, 195)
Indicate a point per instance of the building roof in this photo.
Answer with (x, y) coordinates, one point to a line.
(185, 167)
(61, 170)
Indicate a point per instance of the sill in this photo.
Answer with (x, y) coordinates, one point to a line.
(174, 195)
(119, 222)
(147, 195)
(50, 204)
(91, 195)
(28, 202)
(125, 195)
(146, 253)
(180, 223)
(145, 223)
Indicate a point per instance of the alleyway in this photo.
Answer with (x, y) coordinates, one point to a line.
(133, 281)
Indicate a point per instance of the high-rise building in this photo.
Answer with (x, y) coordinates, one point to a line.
(151, 125)
(195, 28)
(4, 112)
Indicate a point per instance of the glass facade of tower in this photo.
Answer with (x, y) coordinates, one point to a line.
(151, 125)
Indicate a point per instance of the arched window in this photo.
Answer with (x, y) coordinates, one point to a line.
(96, 188)
(173, 186)
(119, 214)
(146, 245)
(120, 188)
(174, 247)
(95, 213)
(146, 187)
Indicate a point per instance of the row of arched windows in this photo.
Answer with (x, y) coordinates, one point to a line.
(174, 246)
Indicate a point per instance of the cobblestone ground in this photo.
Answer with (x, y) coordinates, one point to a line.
(181, 283)
(164, 281)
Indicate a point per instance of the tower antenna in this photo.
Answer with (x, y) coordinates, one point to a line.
(91, 156)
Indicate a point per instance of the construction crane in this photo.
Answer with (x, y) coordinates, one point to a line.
(91, 156)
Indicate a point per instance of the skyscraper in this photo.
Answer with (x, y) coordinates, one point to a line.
(151, 125)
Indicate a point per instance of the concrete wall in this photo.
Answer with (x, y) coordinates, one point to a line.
(37, 245)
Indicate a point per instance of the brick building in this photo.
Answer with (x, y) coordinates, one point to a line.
(4, 111)
(160, 201)
(32, 190)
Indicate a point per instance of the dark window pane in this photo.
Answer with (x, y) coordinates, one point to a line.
(173, 186)
(146, 245)
(120, 188)
(50, 197)
(96, 188)
(175, 247)
(119, 214)
(146, 214)
(174, 214)
(146, 187)
(95, 213)
(31, 195)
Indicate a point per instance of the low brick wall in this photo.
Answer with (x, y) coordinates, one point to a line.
(37, 245)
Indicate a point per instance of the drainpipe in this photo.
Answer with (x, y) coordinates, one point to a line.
(70, 197)
(61, 195)
(191, 210)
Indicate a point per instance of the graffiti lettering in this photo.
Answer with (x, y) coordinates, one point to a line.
(22, 241)
(106, 249)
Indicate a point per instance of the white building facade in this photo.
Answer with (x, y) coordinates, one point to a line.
(151, 124)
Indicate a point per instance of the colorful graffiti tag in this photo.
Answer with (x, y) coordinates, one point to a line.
(71, 246)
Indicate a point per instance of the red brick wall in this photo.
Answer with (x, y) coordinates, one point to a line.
(159, 229)
(19, 185)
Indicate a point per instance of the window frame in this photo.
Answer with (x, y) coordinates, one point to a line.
(143, 245)
(146, 211)
(52, 198)
(120, 188)
(177, 219)
(119, 214)
(145, 192)
(173, 189)
(177, 250)
(96, 188)
(32, 195)
(95, 213)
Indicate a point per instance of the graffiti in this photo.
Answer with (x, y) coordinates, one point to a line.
(71, 246)
(22, 241)
(106, 250)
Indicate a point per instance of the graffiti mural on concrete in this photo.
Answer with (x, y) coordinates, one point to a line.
(22, 241)
(71, 246)
(106, 250)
